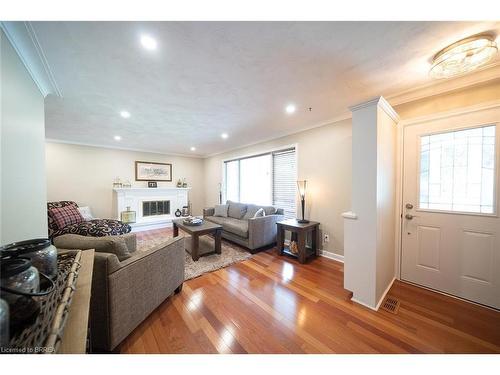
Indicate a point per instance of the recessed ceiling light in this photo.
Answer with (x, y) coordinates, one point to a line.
(125, 114)
(193, 148)
(117, 138)
(463, 56)
(148, 42)
(290, 108)
(224, 135)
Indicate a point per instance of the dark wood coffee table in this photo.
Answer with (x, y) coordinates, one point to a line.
(199, 230)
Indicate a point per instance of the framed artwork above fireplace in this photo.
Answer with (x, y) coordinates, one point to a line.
(153, 171)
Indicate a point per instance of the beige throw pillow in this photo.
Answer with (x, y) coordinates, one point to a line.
(221, 210)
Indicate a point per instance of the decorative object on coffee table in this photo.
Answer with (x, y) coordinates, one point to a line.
(193, 221)
(153, 171)
(196, 231)
(301, 185)
(299, 232)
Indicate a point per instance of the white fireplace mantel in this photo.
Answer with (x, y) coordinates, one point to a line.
(133, 198)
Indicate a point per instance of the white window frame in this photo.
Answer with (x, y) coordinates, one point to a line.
(258, 153)
(496, 169)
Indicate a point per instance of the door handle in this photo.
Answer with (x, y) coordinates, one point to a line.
(410, 216)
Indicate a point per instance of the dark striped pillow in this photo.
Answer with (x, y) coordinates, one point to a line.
(64, 216)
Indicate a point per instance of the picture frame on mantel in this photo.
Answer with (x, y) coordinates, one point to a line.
(153, 171)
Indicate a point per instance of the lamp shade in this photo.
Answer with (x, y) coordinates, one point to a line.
(301, 185)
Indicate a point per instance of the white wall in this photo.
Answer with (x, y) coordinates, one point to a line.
(23, 183)
(324, 160)
(386, 202)
(370, 239)
(85, 174)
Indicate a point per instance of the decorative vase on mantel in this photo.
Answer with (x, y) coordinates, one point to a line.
(117, 183)
(184, 184)
(179, 183)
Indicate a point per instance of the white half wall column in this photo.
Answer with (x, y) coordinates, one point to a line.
(369, 228)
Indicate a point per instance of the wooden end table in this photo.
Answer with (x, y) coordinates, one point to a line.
(199, 230)
(299, 234)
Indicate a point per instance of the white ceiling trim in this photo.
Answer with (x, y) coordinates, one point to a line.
(52, 140)
(482, 75)
(451, 113)
(23, 39)
(343, 117)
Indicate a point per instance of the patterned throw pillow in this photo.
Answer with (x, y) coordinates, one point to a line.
(65, 216)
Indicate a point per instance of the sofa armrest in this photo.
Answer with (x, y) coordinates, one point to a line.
(100, 244)
(209, 211)
(262, 230)
(131, 241)
(140, 284)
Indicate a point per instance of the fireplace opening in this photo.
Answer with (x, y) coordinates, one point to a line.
(155, 208)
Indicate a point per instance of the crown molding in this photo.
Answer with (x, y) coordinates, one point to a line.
(23, 38)
(84, 144)
(451, 113)
(436, 87)
(379, 102)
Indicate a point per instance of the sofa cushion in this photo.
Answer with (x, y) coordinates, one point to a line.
(251, 210)
(220, 210)
(231, 225)
(67, 215)
(236, 210)
(109, 244)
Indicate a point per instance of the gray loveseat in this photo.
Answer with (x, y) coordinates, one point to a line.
(125, 292)
(241, 227)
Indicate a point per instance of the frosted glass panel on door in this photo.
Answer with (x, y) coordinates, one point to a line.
(457, 170)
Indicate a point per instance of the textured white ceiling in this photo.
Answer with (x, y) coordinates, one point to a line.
(206, 78)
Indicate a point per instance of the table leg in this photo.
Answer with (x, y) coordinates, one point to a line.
(176, 230)
(195, 246)
(301, 244)
(315, 240)
(280, 239)
(218, 241)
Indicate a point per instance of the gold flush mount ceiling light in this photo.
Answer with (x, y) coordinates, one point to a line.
(463, 56)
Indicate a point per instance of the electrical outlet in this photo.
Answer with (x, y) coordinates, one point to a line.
(326, 238)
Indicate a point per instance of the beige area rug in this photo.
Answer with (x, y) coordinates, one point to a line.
(231, 253)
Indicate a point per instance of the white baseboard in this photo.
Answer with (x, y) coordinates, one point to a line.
(380, 300)
(333, 256)
(364, 304)
(385, 292)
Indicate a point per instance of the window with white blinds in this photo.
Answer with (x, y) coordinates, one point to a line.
(264, 179)
(285, 181)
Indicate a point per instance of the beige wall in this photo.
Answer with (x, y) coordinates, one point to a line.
(324, 160)
(22, 163)
(85, 174)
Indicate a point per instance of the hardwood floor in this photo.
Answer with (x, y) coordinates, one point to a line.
(273, 304)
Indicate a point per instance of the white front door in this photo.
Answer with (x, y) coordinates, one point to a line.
(451, 228)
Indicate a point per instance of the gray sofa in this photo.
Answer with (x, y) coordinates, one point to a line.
(125, 292)
(242, 228)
